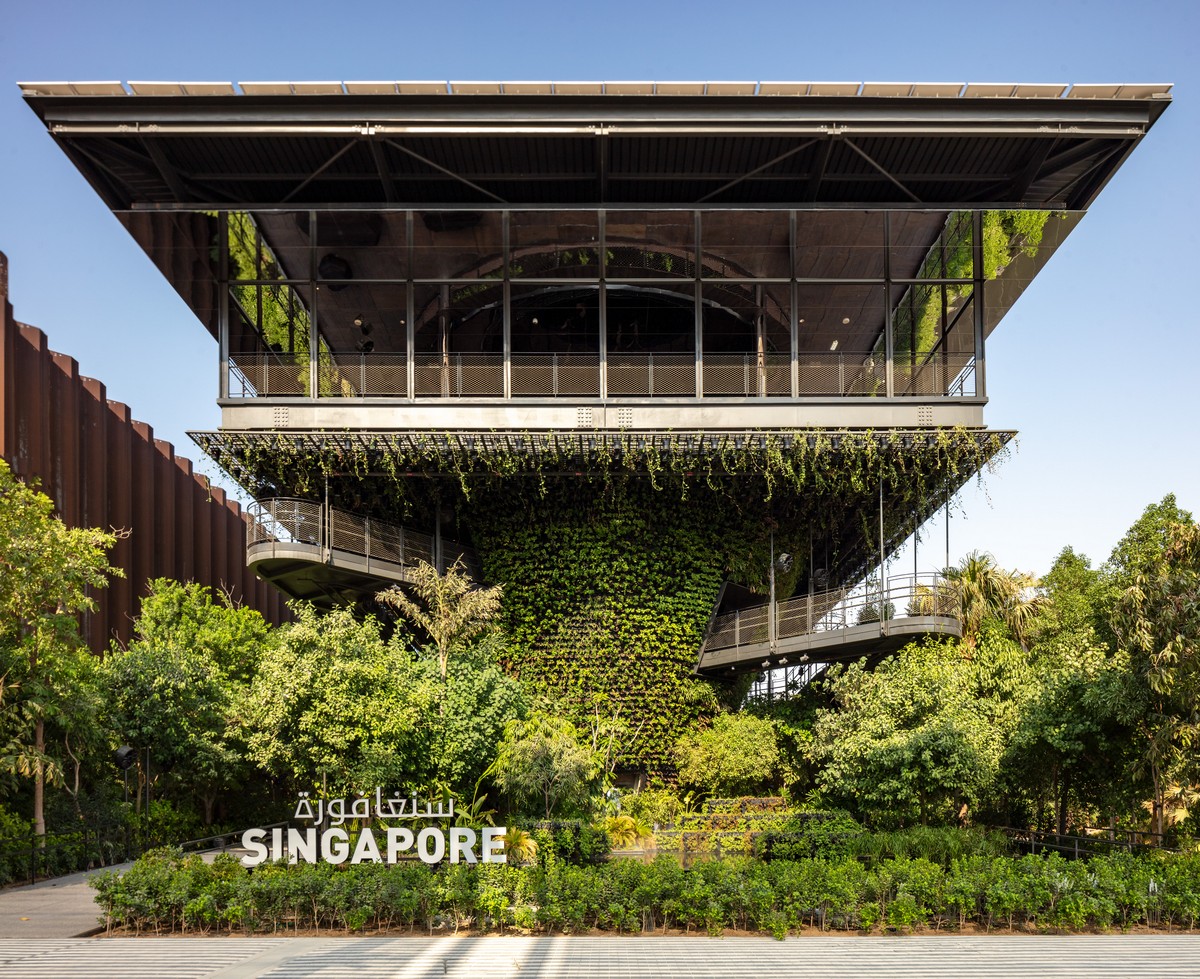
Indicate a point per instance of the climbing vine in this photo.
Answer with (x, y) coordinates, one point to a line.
(612, 551)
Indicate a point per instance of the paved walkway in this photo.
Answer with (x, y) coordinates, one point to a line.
(950, 956)
(64, 907)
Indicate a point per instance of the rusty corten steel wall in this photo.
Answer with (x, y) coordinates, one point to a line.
(103, 469)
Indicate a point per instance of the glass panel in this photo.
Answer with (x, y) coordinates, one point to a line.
(555, 319)
(1016, 245)
(367, 343)
(650, 244)
(747, 341)
(949, 368)
(356, 246)
(745, 244)
(839, 318)
(651, 340)
(651, 318)
(457, 245)
(931, 245)
(554, 244)
(923, 314)
(839, 244)
(268, 340)
(465, 317)
(283, 246)
(184, 248)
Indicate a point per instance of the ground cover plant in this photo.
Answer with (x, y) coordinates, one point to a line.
(166, 892)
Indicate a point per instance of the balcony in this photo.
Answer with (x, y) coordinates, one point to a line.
(457, 376)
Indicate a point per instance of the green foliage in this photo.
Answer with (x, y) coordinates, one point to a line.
(737, 755)
(175, 702)
(480, 699)
(449, 609)
(1157, 619)
(165, 891)
(47, 574)
(184, 616)
(334, 705)
(920, 737)
(541, 762)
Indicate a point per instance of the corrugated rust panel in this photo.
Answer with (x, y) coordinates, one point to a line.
(144, 506)
(185, 516)
(102, 469)
(94, 509)
(120, 509)
(164, 512)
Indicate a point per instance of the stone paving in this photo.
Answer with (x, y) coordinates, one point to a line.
(976, 956)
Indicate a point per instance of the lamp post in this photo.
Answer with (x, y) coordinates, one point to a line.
(125, 757)
(785, 563)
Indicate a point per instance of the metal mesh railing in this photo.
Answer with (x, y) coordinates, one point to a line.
(652, 375)
(369, 376)
(458, 376)
(578, 375)
(555, 375)
(268, 375)
(901, 596)
(939, 376)
(292, 521)
(742, 375)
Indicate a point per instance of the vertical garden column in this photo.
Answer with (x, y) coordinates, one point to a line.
(314, 360)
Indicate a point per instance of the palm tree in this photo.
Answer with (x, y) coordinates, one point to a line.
(449, 608)
(982, 590)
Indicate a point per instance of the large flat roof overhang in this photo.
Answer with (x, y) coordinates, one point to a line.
(169, 145)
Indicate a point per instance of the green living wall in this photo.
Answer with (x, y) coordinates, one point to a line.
(612, 555)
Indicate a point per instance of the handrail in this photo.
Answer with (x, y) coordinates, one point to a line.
(815, 374)
(924, 595)
(287, 520)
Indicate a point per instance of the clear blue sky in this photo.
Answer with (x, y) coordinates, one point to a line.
(1097, 365)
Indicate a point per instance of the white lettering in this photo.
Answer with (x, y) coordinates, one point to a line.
(302, 845)
(277, 851)
(493, 844)
(439, 840)
(252, 841)
(335, 845)
(462, 842)
(398, 840)
(366, 848)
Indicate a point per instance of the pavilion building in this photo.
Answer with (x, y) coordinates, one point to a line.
(451, 317)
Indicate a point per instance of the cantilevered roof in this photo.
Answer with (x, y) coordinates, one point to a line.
(495, 144)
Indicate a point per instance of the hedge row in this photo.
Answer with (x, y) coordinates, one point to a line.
(165, 891)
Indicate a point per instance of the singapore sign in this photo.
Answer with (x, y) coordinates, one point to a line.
(328, 841)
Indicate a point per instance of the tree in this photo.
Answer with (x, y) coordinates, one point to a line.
(737, 755)
(184, 616)
(919, 738)
(480, 700)
(333, 705)
(981, 591)
(1157, 619)
(450, 610)
(174, 703)
(542, 759)
(46, 573)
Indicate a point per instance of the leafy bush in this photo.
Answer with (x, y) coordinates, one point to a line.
(165, 891)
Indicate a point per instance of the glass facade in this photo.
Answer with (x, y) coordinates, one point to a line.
(583, 303)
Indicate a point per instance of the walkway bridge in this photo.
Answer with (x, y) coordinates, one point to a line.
(331, 557)
(832, 626)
